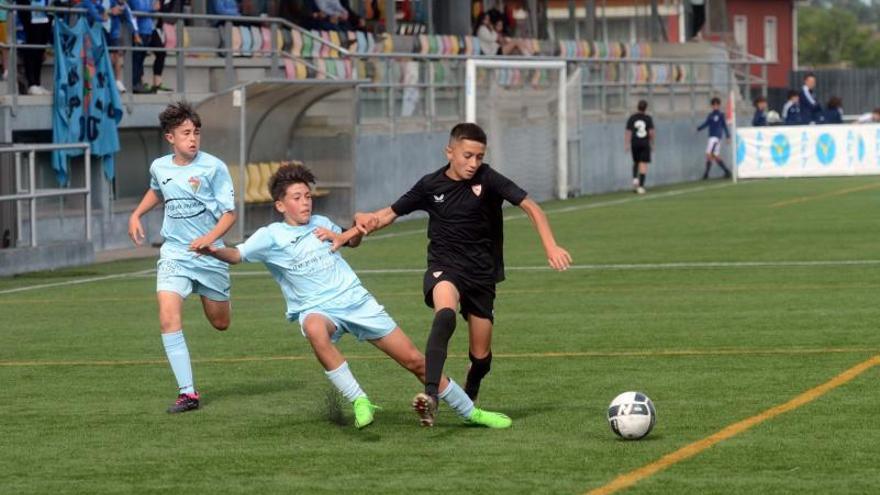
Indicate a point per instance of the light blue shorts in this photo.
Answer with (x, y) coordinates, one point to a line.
(365, 319)
(185, 277)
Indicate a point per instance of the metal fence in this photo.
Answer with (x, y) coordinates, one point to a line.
(859, 88)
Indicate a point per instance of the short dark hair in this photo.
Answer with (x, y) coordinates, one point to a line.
(809, 75)
(642, 106)
(176, 114)
(469, 131)
(876, 110)
(760, 99)
(793, 92)
(289, 173)
(835, 102)
(715, 101)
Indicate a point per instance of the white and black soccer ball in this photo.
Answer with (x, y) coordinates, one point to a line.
(773, 117)
(631, 415)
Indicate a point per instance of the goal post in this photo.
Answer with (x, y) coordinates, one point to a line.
(560, 67)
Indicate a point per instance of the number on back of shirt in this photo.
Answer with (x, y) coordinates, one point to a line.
(641, 127)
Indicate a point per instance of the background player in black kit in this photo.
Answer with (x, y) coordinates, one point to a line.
(465, 254)
(640, 139)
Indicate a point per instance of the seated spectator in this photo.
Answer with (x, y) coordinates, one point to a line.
(354, 20)
(224, 7)
(834, 111)
(318, 19)
(870, 118)
(791, 111)
(760, 118)
(492, 38)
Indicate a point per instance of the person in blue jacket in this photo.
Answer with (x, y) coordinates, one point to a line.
(791, 111)
(811, 109)
(760, 118)
(717, 126)
(834, 111)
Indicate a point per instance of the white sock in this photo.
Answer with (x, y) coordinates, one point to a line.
(456, 398)
(344, 381)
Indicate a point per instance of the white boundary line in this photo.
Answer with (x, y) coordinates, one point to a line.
(77, 282)
(568, 209)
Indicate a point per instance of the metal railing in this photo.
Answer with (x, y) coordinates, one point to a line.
(29, 193)
(609, 96)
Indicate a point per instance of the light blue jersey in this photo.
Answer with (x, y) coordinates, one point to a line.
(315, 280)
(196, 196)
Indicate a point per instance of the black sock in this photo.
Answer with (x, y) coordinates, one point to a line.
(635, 170)
(641, 180)
(720, 163)
(708, 167)
(479, 368)
(435, 352)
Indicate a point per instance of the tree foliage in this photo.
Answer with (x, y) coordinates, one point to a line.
(838, 33)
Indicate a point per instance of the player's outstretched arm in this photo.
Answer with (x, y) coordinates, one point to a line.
(227, 254)
(558, 257)
(135, 228)
(351, 237)
(223, 225)
(367, 223)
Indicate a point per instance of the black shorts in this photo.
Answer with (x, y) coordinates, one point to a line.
(475, 297)
(641, 153)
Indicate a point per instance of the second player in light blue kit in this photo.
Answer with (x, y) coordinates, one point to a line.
(327, 299)
(199, 202)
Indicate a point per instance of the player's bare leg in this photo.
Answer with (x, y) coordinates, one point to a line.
(171, 325)
(318, 330)
(218, 313)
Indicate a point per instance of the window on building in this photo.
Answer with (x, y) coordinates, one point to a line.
(741, 32)
(770, 46)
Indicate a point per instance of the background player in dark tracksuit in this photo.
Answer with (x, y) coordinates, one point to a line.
(465, 255)
(639, 138)
(716, 124)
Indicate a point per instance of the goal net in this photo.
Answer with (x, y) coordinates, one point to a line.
(523, 106)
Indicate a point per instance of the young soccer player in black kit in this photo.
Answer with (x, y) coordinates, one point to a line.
(640, 139)
(465, 255)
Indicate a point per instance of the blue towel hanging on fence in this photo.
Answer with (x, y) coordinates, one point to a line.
(87, 106)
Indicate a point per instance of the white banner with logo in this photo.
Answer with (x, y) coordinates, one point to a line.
(808, 151)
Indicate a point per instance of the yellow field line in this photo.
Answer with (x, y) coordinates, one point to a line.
(526, 355)
(631, 478)
(839, 192)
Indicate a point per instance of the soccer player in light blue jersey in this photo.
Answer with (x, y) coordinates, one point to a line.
(199, 209)
(327, 299)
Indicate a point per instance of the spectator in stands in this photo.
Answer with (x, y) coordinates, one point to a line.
(811, 109)
(791, 111)
(834, 111)
(4, 52)
(157, 40)
(492, 38)
(870, 117)
(760, 118)
(37, 31)
(145, 26)
(224, 7)
(318, 19)
(698, 18)
(355, 21)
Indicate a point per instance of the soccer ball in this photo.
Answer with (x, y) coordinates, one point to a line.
(773, 117)
(631, 415)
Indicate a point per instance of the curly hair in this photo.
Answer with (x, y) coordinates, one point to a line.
(289, 173)
(176, 114)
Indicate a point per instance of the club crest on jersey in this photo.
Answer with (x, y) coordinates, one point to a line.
(477, 189)
(437, 274)
(195, 183)
(439, 198)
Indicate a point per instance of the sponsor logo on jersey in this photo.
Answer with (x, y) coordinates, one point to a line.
(183, 208)
(166, 181)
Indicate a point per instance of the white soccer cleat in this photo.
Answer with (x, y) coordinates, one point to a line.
(120, 87)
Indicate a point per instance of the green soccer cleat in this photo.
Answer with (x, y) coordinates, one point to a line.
(363, 412)
(489, 419)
